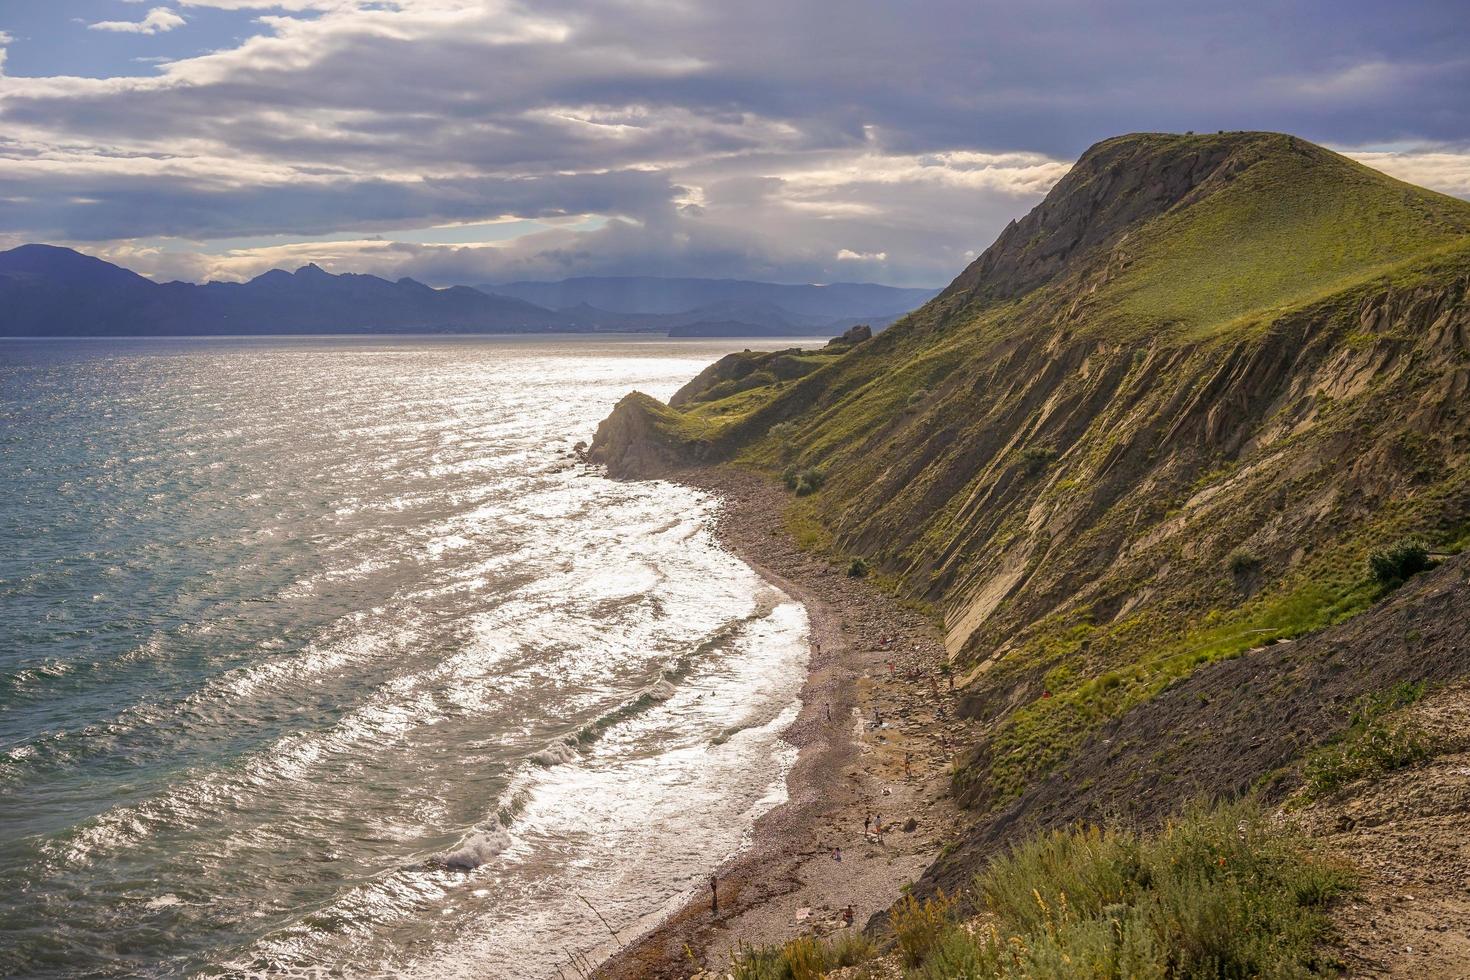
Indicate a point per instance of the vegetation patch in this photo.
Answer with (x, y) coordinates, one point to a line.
(1242, 561)
(1394, 566)
(1037, 458)
(1372, 744)
(803, 958)
(1222, 892)
(1218, 892)
(1038, 736)
(806, 527)
(803, 482)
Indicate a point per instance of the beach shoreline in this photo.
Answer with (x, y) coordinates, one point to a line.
(788, 880)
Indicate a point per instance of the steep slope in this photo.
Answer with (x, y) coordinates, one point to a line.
(1161, 421)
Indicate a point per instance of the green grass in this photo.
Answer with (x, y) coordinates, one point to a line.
(1222, 892)
(1300, 222)
(805, 527)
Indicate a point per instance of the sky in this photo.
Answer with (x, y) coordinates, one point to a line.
(785, 140)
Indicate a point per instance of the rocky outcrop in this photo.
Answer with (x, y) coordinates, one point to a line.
(855, 334)
(641, 439)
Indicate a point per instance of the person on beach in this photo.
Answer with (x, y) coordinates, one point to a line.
(878, 827)
(829, 713)
(867, 823)
(837, 854)
(877, 717)
(847, 914)
(908, 773)
(951, 680)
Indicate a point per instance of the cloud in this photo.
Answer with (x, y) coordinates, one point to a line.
(159, 20)
(787, 141)
(1444, 169)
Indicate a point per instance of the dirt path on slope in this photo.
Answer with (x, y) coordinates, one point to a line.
(1408, 833)
(788, 881)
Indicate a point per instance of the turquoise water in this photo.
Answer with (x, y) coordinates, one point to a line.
(298, 638)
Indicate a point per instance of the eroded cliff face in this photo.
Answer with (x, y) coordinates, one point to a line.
(1078, 475)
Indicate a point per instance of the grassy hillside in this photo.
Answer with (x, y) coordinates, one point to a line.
(1162, 421)
(1296, 223)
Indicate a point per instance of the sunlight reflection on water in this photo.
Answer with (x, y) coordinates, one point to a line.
(287, 622)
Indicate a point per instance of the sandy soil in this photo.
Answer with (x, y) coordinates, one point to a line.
(789, 880)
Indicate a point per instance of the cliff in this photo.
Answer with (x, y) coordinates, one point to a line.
(1160, 423)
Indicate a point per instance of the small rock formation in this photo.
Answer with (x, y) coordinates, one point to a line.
(639, 440)
(852, 336)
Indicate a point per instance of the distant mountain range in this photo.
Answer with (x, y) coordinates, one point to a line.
(47, 291)
(652, 295)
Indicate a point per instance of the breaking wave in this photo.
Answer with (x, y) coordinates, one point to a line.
(479, 848)
(556, 754)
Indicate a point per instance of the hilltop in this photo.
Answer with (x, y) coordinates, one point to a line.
(1157, 428)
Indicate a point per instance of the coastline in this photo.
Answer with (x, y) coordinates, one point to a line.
(787, 880)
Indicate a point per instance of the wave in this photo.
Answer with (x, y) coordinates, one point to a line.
(479, 848)
(729, 733)
(665, 684)
(655, 694)
(556, 754)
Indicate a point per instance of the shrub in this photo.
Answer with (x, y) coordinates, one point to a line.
(850, 949)
(1370, 745)
(803, 482)
(916, 399)
(1373, 748)
(1038, 458)
(1394, 566)
(1219, 892)
(1242, 561)
(919, 926)
(783, 435)
(803, 958)
(857, 568)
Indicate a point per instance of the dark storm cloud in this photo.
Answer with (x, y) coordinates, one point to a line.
(789, 140)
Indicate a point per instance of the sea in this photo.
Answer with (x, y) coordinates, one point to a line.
(325, 657)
